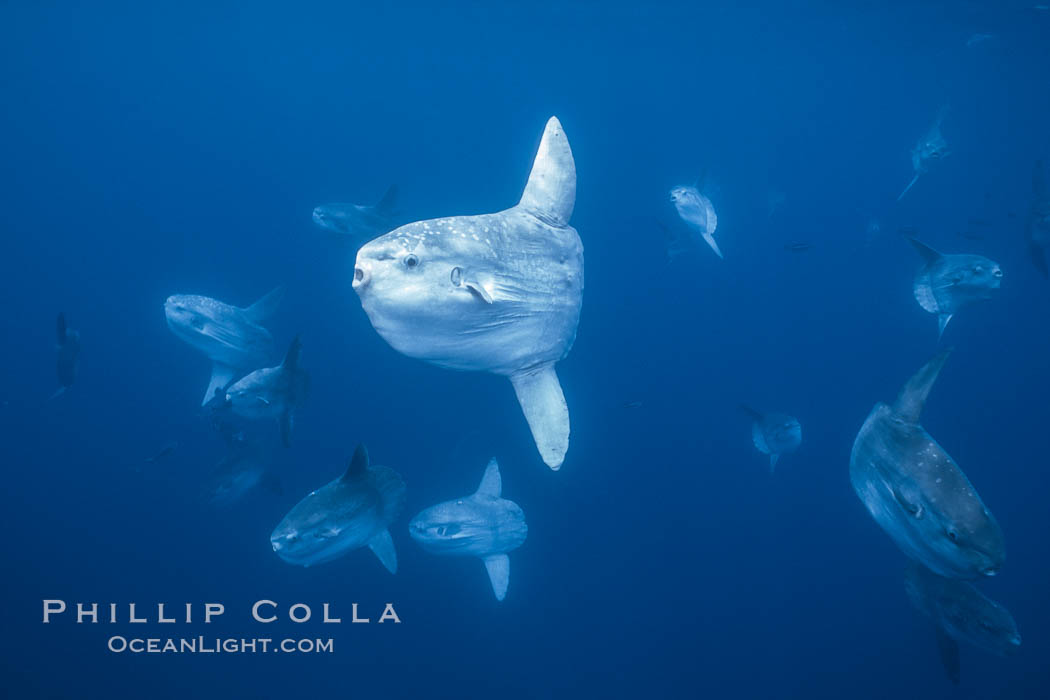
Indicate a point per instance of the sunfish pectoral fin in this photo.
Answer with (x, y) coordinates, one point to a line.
(942, 323)
(773, 458)
(909, 504)
(543, 403)
(949, 650)
(710, 238)
(912, 398)
(498, 566)
(221, 376)
(550, 193)
(267, 306)
(479, 290)
(383, 547)
(913, 180)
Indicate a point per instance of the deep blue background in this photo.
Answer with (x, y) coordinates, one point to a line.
(180, 149)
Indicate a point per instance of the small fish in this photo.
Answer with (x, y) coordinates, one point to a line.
(976, 39)
(167, 450)
(632, 404)
(798, 247)
(773, 434)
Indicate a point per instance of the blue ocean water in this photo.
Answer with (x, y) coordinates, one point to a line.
(163, 148)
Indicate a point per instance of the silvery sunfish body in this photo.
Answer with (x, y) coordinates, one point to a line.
(359, 221)
(916, 492)
(244, 468)
(1037, 226)
(273, 392)
(947, 283)
(496, 293)
(68, 355)
(351, 512)
(774, 434)
(697, 212)
(482, 525)
(930, 148)
(960, 613)
(231, 337)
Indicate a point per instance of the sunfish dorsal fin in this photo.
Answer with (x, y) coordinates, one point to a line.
(928, 254)
(710, 239)
(543, 403)
(385, 206)
(60, 328)
(752, 413)
(267, 306)
(221, 376)
(498, 567)
(358, 463)
(550, 193)
(912, 398)
(949, 650)
(383, 547)
(291, 358)
(491, 483)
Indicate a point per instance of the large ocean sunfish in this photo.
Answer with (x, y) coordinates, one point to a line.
(496, 293)
(232, 338)
(917, 493)
(960, 613)
(947, 283)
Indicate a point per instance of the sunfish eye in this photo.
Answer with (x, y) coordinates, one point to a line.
(456, 277)
(411, 260)
(978, 269)
(953, 535)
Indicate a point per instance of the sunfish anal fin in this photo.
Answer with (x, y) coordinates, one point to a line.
(714, 246)
(949, 649)
(543, 403)
(942, 323)
(498, 566)
(913, 181)
(383, 547)
(221, 376)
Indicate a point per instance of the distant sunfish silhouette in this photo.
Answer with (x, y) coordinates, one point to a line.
(774, 434)
(930, 148)
(273, 392)
(245, 467)
(960, 613)
(697, 212)
(1037, 225)
(482, 525)
(359, 221)
(351, 512)
(916, 492)
(68, 355)
(232, 338)
(947, 283)
(496, 293)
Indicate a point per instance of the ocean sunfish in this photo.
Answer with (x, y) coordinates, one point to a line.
(245, 467)
(916, 492)
(496, 293)
(361, 222)
(947, 283)
(697, 212)
(351, 512)
(68, 355)
(960, 613)
(931, 148)
(482, 525)
(273, 392)
(1037, 226)
(231, 337)
(774, 434)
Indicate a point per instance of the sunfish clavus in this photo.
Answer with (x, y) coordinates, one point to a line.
(917, 493)
(496, 293)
